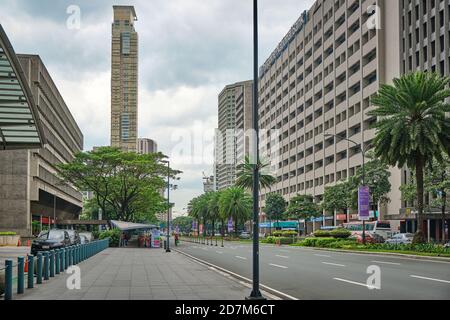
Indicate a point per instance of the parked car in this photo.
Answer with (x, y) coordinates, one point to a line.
(88, 235)
(74, 237)
(245, 235)
(401, 238)
(50, 240)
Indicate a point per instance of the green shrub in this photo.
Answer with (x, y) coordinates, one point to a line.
(113, 235)
(423, 247)
(322, 234)
(340, 233)
(8, 233)
(289, 233)
(327, 243)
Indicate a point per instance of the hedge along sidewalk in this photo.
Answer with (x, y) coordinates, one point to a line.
(379, 252)
(48, 265)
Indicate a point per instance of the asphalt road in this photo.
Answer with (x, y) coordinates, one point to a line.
(306, 273)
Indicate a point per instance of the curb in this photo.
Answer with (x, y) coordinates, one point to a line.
(392, 254)
(241, 279)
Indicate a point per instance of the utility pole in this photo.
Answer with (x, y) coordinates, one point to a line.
(256, 293)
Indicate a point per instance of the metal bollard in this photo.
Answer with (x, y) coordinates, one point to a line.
(57, 261)
(52, 263)
(39, 268)
(63, 259)
(20, 275)
(46, 265)
(70, 256)
(8, 279)
(30, 271)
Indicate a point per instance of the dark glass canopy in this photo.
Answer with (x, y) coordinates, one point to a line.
(19, 124)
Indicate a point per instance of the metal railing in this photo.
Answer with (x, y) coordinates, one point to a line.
(47, 264)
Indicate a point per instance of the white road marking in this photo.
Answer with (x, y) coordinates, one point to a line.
(238, 276)
(284, 250)
(284, 257)
(353, 282)
(219, 252)
(277, 266)
(333, 264)
(431, 279)
(239, 257)
(322, 255)
(386, 262)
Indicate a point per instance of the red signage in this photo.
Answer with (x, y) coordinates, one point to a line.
(341, 217)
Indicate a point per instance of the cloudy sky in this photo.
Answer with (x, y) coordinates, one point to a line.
(188, 51)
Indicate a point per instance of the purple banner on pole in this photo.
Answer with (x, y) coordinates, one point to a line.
(364, 203)
(194, 225)
(230, 225)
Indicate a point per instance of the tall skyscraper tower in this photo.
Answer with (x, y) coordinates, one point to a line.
(124, 79)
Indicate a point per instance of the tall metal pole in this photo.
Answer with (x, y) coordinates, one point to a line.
(168, 206)
(255, 294)
(54, 211)
(364, 184)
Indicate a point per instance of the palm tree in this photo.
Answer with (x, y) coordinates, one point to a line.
(245, 175)
(213, 209)
(412, 128)
(237, 204)
(194, 212)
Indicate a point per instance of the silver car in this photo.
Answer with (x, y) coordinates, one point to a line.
(401, 238)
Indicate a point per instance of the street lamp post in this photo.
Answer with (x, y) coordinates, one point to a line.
(168, 207)
(363, 151)
(256, 293)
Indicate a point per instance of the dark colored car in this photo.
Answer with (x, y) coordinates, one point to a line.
(50, 240)
(74, 237)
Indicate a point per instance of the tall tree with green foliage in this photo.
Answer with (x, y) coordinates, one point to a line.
(303, 207)
(245, 175)
(412, 126)
(184, 223)
(275, 208)
(338, 197)
(235, 203)
(128, 183)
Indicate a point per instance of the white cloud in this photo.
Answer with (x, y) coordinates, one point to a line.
(189, 50)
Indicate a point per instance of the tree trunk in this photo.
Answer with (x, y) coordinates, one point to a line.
(420, 191)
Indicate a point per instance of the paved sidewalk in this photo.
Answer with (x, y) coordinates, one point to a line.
(141, 274)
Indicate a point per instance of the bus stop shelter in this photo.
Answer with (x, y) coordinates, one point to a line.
(138, 234)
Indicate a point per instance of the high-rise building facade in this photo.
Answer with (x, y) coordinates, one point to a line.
(146, 146)
(234, 107)
(320, 80)
(124, 79)
(30, 189)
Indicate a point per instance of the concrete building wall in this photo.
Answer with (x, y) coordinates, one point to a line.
(146, 146)
(320, 79)
(234, 106)
(29, 183)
